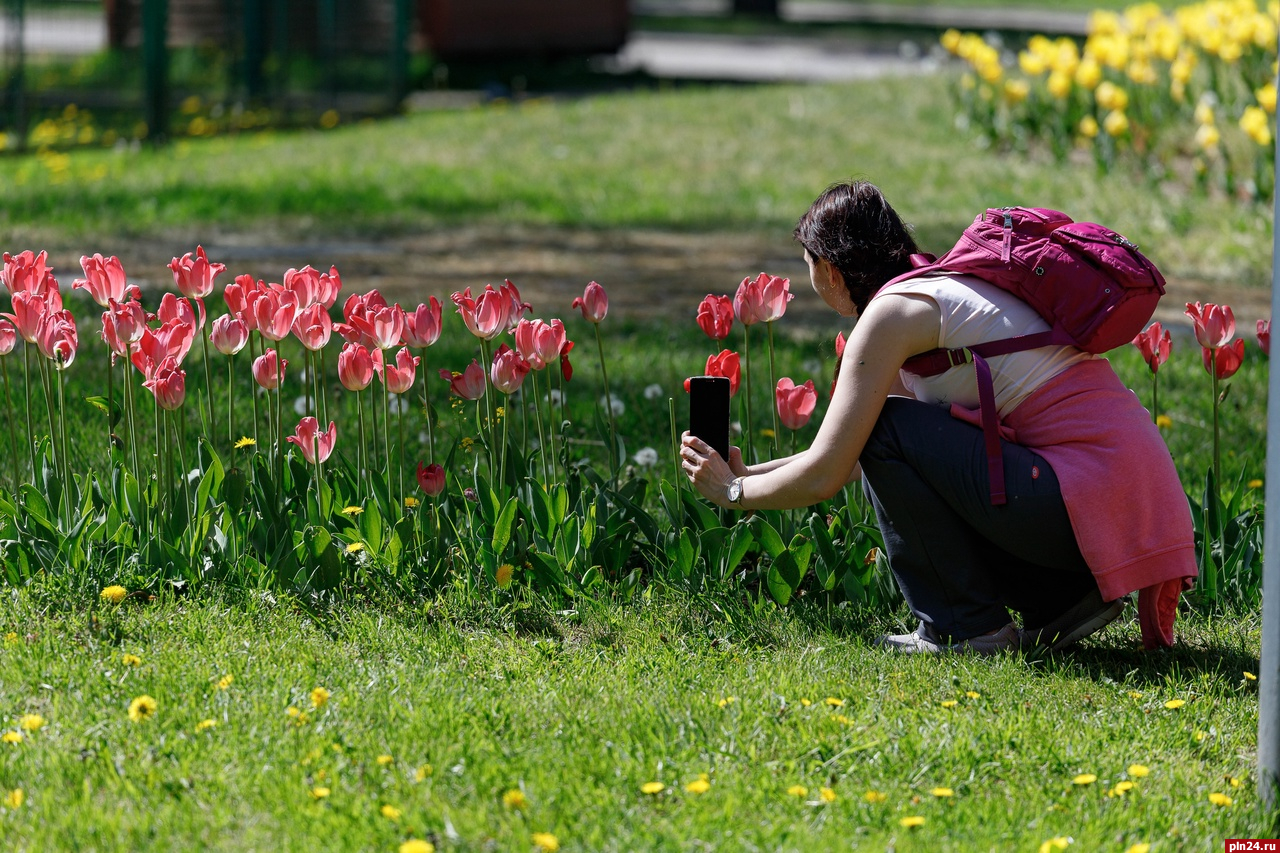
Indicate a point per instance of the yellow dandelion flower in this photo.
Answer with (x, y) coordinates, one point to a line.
(911, 821)
(1233, 781)
(766, 433)
(949, 703)
(142, 708)
(411, 502)
(15, 798)
(1140, 847)
(11, 737)
(1219, 799)
(698, 786)
(1199, 735)
(942, 792)
(1085, 779)
(351, 511)
(1164, 422)
(503, 575)
(384, 760)
(205, 724)
(727, 701)
(546, 841)
(1249, 676)
(353, 547)
(834, 702)
(225, 681)
(416, 845)
(973, 694)
(390, 812)
(875, 797)
(1059, 842)
(653, 788)
(1137, 771)
(1173, 704)
(319, 696)
(421, 774)
(130, 660)
(1123, 788)
(1135, 694)
(841, 719)
(244, 442)
(320, 792)
(797, 790)
(113, 594)
(10, 639)
(515, 799)
(292, 711)
(1255, 483)
(827, 795)
(32, 722)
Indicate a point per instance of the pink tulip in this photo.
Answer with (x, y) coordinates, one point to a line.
(57, 338)
(398, 378)
(268, 369)
(194, 275)
(316, 444)
(422, 325)
(175, 308)
(128, 321)
(1228, 361)
(1215, 324)
(104, 278)
(431, 478)
(763, 299)
(27, 272)
(387, 326)
(229, 335)
(539, 343)
(795, 402)
(313, 326)
(355, 367)
(29, 309)
(169, 385)
(728, 365)
(1155, 345)
(1264, 336)
(715, 316)
(304, 284)
(8, 337)
(330, 285)
(566, 369)
(840, 344)
(469, 385)
(175, 337)
(274, 312)
(508, 370)
(594, 303)
(487, 315)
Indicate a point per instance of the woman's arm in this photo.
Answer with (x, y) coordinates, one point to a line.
(894, 328)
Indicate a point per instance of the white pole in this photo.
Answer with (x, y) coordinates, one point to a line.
(1269, 670)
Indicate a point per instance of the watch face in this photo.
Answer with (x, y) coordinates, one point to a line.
(735, 491)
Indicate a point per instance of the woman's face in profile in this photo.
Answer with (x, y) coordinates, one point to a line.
(828, 283)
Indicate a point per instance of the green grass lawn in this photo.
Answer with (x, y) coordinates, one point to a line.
(438, 708)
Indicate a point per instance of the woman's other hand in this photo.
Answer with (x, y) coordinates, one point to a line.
(736, 465)
(707, 471)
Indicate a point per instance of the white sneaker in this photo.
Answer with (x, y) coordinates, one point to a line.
(925, 641)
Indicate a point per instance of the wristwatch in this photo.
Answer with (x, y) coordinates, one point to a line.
(735, 491)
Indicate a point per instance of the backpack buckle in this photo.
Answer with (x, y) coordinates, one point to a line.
(959, 356)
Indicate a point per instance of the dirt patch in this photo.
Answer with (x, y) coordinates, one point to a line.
(649, 274)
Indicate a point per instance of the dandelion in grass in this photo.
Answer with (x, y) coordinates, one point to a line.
(503, 575)
(515, 799)
(292, 712)
(390, 812)
(1255, 484)
(130, 660)
(875, 797)
(113, 594)
(1174, 704)
(841, 719)
(942, 793)
(1199, 735)
(949, 703)
(1135, 694)
(205, 725)
(1164, 422)
(14, 738)
(798, 791)
(352, 511)
(653, 392)
(142, 708)
(1059, 842)
(615, 405)
(698, 786)
(10, 639)
(727, 701)
(827, 795)
(353, 547)
(1137, 771)
(1219, 799)
(1233, 781)
(973, 694)
(32, 722)
(1249, 676)
(421, 774)
(1085, 779)
(411, 502)
(1140, 847)
(805, 703)
(834, 702)
(225, 682)
(384, 760)
(653, 787)
(417, 845)
(320, 792)
(245, 441)
(545, 841)
(1120, 789)
(319, 696)
(911, 821)
(646, 457)
(15, 798)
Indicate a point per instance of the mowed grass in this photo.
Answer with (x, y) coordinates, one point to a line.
(701, 159)
(437, 709)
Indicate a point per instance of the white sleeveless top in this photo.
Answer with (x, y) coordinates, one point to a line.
(974, 311)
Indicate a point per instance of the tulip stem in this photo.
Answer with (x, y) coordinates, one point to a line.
(131, 413)
(1217, 453)
(111, 397)
(26, 384)
(182, 459)
(66, 465)
(506, 419)
(362, 461)
(608, 404)
(773, 385)
(1155, 398)
(208, 376)
(675, 455)
(231, 400)
(746, 376)
(254, 395)
(490, 439)
(8, 422)
(386, 436)
(400, 407)
(542, 443)
(324, 394)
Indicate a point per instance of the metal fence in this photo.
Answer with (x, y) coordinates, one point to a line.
(78, 72)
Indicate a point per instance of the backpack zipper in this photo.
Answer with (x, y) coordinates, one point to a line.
(1006, 246)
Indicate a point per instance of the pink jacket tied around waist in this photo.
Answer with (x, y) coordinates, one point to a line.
(1127, 507)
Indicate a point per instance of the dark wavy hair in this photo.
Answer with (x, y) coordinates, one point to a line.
(853, 228)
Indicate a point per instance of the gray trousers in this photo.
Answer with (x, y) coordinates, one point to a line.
(962, 563)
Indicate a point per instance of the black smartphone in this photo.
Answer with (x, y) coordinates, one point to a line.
(709, 412)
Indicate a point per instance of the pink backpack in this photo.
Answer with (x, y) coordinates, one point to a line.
(1091, 285)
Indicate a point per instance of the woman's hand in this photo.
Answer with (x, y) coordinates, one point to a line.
(736, 465)
(708, 473)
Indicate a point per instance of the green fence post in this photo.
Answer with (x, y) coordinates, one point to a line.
(400, 53)
(155, 68)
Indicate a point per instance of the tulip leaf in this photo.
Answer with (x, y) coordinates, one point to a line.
(371, 527)
(783, 578)
(502, 526)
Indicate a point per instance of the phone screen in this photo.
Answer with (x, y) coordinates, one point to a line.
(709, 412)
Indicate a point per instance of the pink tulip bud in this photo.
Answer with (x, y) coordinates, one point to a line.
(398, 378)
(422, 326)
(508, 370)
(1155, 345)
(431, 478)
(268, 369)
(728, 365)
(715, 316)
(469, 385)
(8, 337)
(355, 367)
(228, 335)
(57, 338)
(194, 275)
(1215, 324)
(315, 444)
(168, 384)
(1264, 336)
(795, 402)
(104, 278)
(1224, 361)
(840, 344)
(594, 303)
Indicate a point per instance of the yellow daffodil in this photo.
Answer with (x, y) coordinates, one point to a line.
(1219, 799)
(113, 594)
(797, 790)
(698, 786)
(390, 812)
(653, 788)
(911, 821)
(875, 797)
(319, 696)
(142, 708)
(1174, 704)
(1137, 771)
(546, 841)
(515, 799)
(416, 845)
(32, 722)
(1085, 779)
